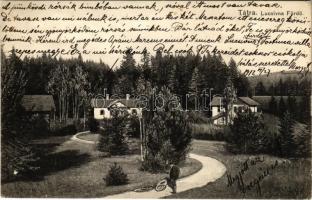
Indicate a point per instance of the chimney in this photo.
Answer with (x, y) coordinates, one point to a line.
(127, 96)
(107, 96)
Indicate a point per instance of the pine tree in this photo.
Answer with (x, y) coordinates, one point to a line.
(233, 69)
(260, 89)
(194, 87)
(304, 109)
(129, 71)
(292, 106)
(114, 137)
(168, 135)
(273, 106)
(281, 107)
(286, 137)
(17, 155)
(173, 80)
(247, 134)
(271, 90)
(229, 94)
(145, 66)
(303, 139)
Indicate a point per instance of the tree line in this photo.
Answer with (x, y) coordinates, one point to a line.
(288, 87)
(73, 82)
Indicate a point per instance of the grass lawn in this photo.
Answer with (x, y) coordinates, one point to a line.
(73, 169)
(286, 179)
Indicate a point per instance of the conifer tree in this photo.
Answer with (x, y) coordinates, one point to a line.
(113, 138)
(282, 107)
(194, 87)
(286, 137)
(273, 105)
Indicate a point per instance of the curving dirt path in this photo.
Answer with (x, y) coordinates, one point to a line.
(211, 170)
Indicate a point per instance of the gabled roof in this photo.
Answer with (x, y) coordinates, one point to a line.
(106, 103)
(38, 103)
(238, 101)
(249, 101)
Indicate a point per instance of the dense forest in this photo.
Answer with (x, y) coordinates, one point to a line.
(73, 82)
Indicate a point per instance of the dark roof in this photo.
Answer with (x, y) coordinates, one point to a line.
(249, 101)
(238, 101)
(216, 101)
(38, 103)
(104, 103)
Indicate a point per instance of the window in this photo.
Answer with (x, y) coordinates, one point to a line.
(134, 112)
(218, 109)
(235, 109)
(102, 112)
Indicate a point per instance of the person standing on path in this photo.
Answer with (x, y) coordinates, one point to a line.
(174, 174)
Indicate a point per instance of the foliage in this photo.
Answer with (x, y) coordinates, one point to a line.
(18, 157)
(260, 89)
(134, 127)
(168, 135)
(286, 142)
(113, 138)
(282, 108)
(116, 176)
(303, 142)
(209, 131)
(93, 125)
(229, 94)
(247, 134)
(272, 105)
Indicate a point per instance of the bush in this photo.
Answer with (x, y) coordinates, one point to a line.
(134, 127)
(286, 142)
(197, 117)
(113, 138)
(168, 136)
(303, 141)
(209, 131)
(247, 134)
(40, 126)
(66, 130)
(93, 125)
(116, 176)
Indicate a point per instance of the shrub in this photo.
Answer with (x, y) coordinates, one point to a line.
(113, 138)
(303, 141)
(93, 125)
(209, 131)
(66, 130)
(134, 127)
(197, 117)
(247, 134)
(116, 176)
(286, 143)
(168, 136)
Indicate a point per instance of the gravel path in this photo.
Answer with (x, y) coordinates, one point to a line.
(211, 170)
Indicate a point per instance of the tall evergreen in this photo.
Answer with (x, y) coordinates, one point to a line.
(260, 89)
(281, 107)
(194, 87)
(273, 105)
(286, 137)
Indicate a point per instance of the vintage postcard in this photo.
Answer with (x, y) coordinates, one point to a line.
(156, 99)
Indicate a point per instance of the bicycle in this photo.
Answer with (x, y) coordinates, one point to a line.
(160, 186)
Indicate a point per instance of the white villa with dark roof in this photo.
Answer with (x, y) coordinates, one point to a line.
(102, 107)
(240, 104)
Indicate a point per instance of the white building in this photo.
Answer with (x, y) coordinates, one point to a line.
(102, 107)
(241, 104)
